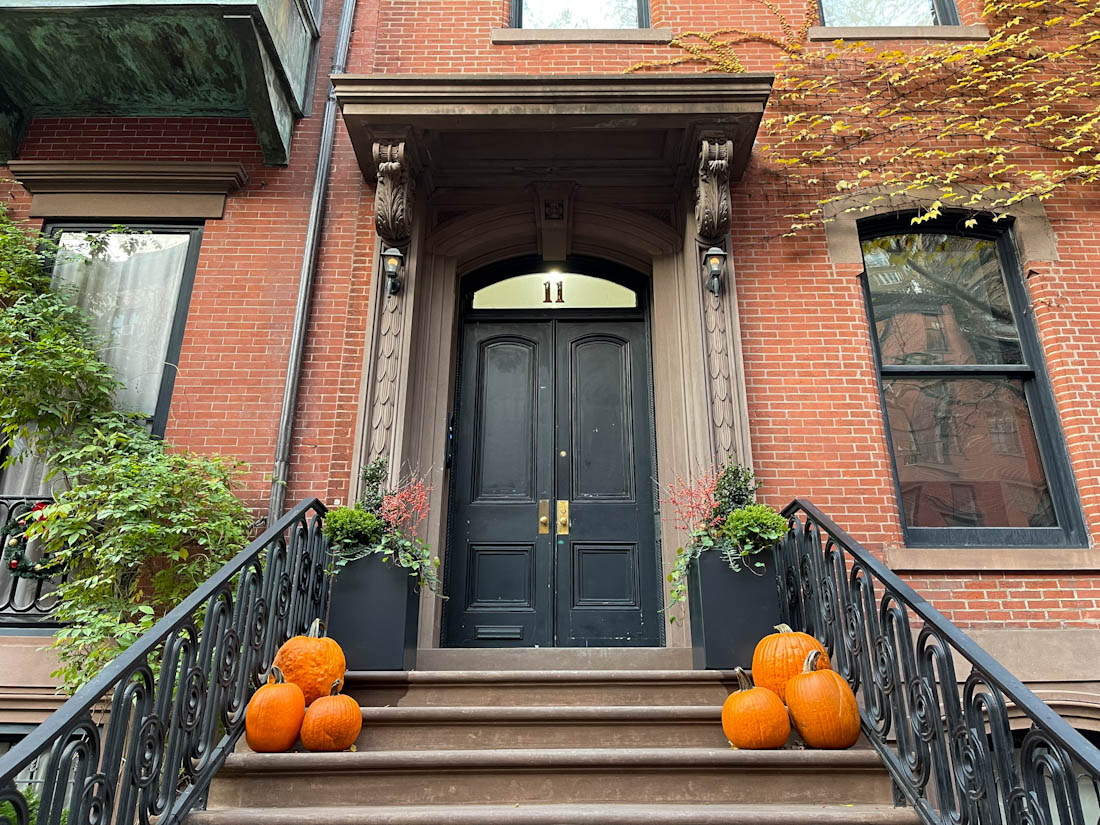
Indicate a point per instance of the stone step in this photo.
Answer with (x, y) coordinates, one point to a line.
(807, 814)
(552, 775)
(539, 687)
(548, 726)
(554, 658)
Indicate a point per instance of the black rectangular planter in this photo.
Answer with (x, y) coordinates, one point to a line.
(374, 613)
(730, 612)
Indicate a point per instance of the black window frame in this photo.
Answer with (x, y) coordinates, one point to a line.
(944, 13)
(1038, 393)
(516, 15)
(52, 228)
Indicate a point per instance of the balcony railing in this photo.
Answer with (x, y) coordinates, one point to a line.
(935, 706)
(23, 601)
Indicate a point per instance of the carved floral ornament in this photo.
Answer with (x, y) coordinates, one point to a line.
(393, 196)
(712, 193)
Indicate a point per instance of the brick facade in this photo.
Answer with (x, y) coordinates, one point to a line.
(813, 400)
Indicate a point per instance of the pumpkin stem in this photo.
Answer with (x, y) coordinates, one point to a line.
(743, 681)
(335, 689)
(277, 674)
(784, 628)
(811, 661)
(316, 630)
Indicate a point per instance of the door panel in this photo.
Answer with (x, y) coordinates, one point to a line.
(553, 410)
(606, 567)
(498, 565)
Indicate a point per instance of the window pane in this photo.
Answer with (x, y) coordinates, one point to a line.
(940, 299)
(554, 290)
(129, 288)
(580, 14)
(966, 453)
(877, 13)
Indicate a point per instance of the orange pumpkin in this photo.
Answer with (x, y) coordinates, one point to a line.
(332, 723)
(823, 707)
(274, 715)
(754, 717)
(780, 656)
(312, 662)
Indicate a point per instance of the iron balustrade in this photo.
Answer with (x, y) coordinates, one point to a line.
(949, 745)
(144, 738)
(23, 601)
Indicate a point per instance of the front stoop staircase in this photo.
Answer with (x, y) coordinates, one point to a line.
(549, 747)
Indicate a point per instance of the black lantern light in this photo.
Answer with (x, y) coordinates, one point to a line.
(714, 262)
(392, 259)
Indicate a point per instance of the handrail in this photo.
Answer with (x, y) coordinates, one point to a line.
(948, 745)
(23, 602)
(177, 696)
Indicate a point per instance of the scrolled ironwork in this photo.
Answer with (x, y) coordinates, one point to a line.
(142, 741)
(948, 743)
(23, 601)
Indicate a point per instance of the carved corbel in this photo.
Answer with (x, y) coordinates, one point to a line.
(393, 196)
(712, 192)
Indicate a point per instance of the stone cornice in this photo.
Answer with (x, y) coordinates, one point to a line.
(140, 189)
(47, 176)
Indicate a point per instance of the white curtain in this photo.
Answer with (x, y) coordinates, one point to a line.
(129, 289)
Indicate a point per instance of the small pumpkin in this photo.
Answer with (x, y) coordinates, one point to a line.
(823, 707)
(312, 662)
(274, 715)
(332, 723)
(753, 717)
(780, 655)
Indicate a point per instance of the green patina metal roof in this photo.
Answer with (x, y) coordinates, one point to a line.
(109, 57)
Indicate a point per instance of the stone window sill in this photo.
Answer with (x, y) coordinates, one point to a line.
(821, 33)
(998, 559)
(522, 37)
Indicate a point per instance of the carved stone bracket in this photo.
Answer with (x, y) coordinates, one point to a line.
(712, 192)
(393, 196)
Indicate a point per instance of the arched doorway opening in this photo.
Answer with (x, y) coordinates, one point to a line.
(552, 535)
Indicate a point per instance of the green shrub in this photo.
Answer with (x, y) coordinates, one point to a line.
(750, 530)
(351, 527)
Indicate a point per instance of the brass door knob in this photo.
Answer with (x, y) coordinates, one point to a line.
(544, 521)
(563, 522)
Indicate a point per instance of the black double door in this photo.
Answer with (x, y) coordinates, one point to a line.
(552, 538)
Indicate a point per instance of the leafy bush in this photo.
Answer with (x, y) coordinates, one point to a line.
(34, 802)
(750, 530)
(734, 487)
(353, 527)
(137, 526)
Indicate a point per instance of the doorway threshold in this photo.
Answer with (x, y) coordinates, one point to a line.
(554, 658)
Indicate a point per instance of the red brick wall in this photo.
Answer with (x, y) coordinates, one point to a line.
(815, 417)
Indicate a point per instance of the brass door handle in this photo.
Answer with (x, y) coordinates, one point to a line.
(563, 517)
(544, 516)
(544, 521)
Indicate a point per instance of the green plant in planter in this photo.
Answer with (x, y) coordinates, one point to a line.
(719, 511)
(384, 522)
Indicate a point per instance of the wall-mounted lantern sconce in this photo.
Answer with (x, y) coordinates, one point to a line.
(714, 262)
(392, 259)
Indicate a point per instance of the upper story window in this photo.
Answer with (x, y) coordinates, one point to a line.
(978, 451)
(580, 14)
(889, 13)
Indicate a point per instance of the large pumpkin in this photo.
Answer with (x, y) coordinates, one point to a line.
(780, 656)
(312, 662)
(823, 707)
(754, 717)
(274, 715)
(332, 723)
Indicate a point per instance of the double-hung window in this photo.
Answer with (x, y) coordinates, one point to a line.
(580, 14)
(135, 287)
(979, 455)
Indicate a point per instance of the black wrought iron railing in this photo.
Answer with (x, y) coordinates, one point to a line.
(142, 741)
(934, 704)
(23, 601)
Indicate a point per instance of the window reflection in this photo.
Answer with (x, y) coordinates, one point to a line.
(940, 299)
(878, 13)
(950, 437)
